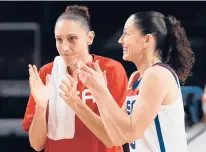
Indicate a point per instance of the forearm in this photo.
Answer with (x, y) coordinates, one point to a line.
(92, 121)
(38, 129)
(114, 118)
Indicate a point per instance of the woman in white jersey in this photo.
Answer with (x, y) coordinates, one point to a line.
(154, 121)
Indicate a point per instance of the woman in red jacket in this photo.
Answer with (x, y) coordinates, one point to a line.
(47, 125)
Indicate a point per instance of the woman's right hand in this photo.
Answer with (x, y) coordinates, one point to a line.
(39, 91)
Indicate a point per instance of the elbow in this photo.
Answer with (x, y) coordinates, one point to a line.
(119, 142)
(125, 138)
(109, 145)
(114, 142)
(132, 139)
(37, 142)
(37, 147)
(131, 136)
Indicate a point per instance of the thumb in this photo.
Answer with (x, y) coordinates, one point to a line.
(48, 79)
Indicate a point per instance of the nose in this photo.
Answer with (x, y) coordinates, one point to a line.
(120, 40)
(65, 47)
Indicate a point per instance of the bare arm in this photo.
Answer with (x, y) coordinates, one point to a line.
(144, 111)
(38, 129)
(124, 107)
(92, 121)
(40, 93)
(86, 115)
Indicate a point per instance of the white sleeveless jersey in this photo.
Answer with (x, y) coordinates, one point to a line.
(171, 119)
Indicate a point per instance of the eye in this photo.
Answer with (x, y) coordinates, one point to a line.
(125, 33)
(59, 40)
(72, 38)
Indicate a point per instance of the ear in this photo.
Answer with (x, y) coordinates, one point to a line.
(147, 40)
(91, 36)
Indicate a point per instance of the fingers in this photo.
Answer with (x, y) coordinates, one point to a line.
(75, 74)
(36, 73)
(84, 67)
(31, 83)
(31, 73)
(73, 82)
(48, 79)
(83, 76)
(68, 100)
(67, 85)
(63, 96)
(64, 90)
(89, 64)
(32, 78)
(70, 78)
(97, 67)
(68, 93)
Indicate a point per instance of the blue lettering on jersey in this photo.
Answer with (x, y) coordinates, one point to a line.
(130, 105)
(132, 145)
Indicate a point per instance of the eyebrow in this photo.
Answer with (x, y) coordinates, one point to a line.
(71, 34)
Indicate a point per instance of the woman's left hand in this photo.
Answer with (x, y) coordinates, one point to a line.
(69, 89)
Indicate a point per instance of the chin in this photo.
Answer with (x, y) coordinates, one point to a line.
(125, 58)
(70, 61)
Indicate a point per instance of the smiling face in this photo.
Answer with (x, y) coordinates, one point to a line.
(72, 40)
(132, 41)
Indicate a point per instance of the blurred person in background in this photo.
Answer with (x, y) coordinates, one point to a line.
(203, 99)
(51, 124)
(188, 112)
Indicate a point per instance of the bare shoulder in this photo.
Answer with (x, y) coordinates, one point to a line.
(157, 72)
(158, 76)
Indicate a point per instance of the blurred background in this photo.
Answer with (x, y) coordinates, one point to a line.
(27, 36)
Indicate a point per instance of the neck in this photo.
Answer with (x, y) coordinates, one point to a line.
(143, 65)
(73, 67)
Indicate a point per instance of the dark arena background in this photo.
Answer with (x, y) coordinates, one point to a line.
(27, 36)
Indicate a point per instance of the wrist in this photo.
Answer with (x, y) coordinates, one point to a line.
(77, 104)
(100, 93)
(40, 109)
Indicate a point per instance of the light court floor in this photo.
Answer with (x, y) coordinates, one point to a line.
(196, 137)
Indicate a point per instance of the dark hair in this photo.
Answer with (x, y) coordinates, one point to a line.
(171, 40)
(77, 13)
